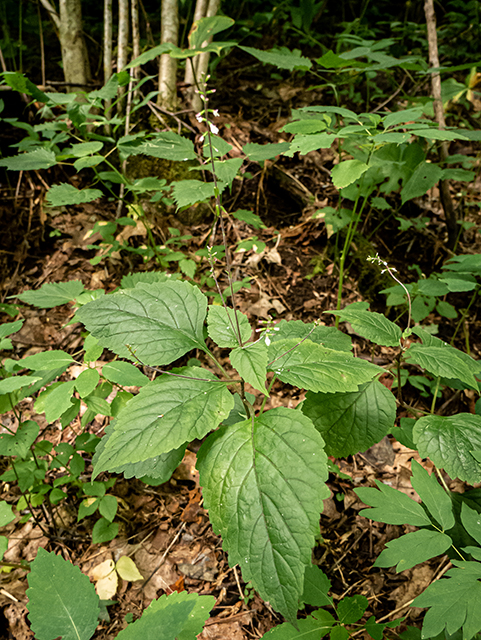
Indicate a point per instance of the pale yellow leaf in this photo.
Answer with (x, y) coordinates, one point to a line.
(127, 570)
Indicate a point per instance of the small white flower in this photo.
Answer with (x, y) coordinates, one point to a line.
(213, 128)
(198, 117)
(215, 112)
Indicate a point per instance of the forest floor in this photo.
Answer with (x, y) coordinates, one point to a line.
(165, 529)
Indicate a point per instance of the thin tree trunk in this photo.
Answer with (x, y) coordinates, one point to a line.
(446, 199)
(122, 44)
(52, 14)
(199, 12)
(108, 30)
(169, 32)
(135, 40)
(76, 65)
(202, 60)
(42, 45)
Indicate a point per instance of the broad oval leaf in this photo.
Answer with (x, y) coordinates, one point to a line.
(160, 322)
(352, 422)
(223, 326)
(442, 361)
(424, 177)
(281, 58)
(263, 482)
(163, 416)
(312, 367)
(30, 161)
(124, 373)
(60, 195)
(188, 192)
(46, 360)
(448, 441)
(194, 623)
(371, 325)
(347, 172)
(251, 362)
(61, 599)
(159, 468)
(329, 337)
(52, 294)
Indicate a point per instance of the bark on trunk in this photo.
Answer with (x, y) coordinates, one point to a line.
(446, 199)
(169, 32)
(122, 45)
(76, 66)
(202, 60)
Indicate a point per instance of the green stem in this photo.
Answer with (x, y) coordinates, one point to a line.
(462, 319)
(269, 389)
(433, 403)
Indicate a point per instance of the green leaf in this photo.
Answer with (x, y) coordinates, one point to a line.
(148, 277)
(108, 507)
(424, 177)
(124, 373)
(55, 400)
(194, 622)
(347, 172)
(315, 368)
(8, 385)
(149, 55)
(310, 628)
(104, 531)
(219, 147)
(206, 28)
(166, 623)
(19, 444)
(46, 360)
(160, 322)
(352, 422)
(8, 328)
(251, 362)
(304, 144)
(6, 514)
(316, 587)
(438, 134)
(351, 609)
(30, 161)
(61, 600)
(263, 483)
(3, 546)
(20, 83)
(98, 405)
(412, 549)
(83, 149)
(261, 152)
(448, 441)
(166, 145)
(222, 326)
(188, 192)
(454, 602)
(249, 218)
(52, 294)
(371, 325)
(86, 382)
(471, 520)
(433, 496)
(391, 506)
(60, 195)
(400, 117)
(446, 362)
(339, 633)
(163, 416)
(281, 58)
(328, 337)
